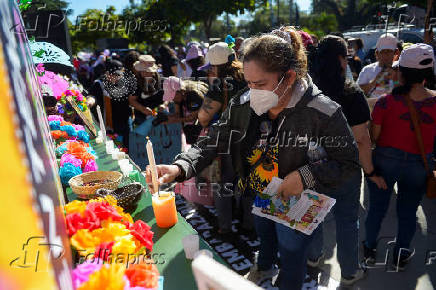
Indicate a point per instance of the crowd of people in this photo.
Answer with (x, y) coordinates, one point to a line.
(236, 99)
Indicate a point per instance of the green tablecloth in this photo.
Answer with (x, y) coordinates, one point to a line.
(172, 264)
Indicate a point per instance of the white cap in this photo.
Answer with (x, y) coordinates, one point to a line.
(387, 41)
(219, 53)
(417, 56)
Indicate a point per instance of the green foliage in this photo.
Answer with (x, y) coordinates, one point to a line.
(319, 24)
(95, 24)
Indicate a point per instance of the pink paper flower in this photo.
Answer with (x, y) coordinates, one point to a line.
(91, 165)
(55, 118)
(68, 158)
(40, 68)
(82, 272)
(79, 127)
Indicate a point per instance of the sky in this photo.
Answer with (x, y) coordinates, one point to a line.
(80, 6)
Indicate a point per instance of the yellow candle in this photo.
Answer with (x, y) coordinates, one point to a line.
(164, 207)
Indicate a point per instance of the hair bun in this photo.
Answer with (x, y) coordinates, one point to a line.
(282, 34)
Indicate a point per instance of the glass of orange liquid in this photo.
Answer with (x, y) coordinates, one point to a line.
(164, 207)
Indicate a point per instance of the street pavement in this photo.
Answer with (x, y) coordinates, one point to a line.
(419, 274)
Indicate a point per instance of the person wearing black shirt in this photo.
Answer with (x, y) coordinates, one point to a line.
(328, 74)
(168, 60)
(148, 94)
(117, 84)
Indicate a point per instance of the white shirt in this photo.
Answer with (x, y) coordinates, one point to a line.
(368, 74)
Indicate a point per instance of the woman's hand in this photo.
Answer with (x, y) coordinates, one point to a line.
(147, 111)
(291, 185)
(165, 174)
(379, 181)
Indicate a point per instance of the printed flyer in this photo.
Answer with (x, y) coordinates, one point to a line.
(302, 213)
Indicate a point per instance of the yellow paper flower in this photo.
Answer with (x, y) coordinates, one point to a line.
(109, 198)
(75, 207)
(85, 240)
(110, 277)
(124, 245)
(110, 231)
(127, 217)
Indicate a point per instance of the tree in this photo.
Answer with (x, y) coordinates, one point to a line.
(194, 11)
(319, 24)
(51, 5)
(95, 24)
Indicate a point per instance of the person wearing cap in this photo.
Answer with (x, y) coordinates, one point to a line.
(195, 60)
(148, 94)
(397, 154)
(188, 97)
(225, 80)
(376, 79)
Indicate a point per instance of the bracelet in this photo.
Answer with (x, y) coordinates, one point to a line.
(371, 174)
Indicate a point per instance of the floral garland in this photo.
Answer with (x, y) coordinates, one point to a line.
(77, 97)
(101, 227)
(62, 131)
(115, 276)
(77, 158)
(102, 230)
(101, 224)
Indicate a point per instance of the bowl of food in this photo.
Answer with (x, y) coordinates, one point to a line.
(86, 184)
(127, 196)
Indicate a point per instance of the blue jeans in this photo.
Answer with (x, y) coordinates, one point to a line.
(292, 246)
(346, 213)
(407, 170)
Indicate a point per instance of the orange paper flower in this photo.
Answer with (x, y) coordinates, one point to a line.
(109, 277)
(56, 134)
(143, 275)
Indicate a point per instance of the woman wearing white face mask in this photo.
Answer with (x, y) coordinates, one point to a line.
(267, 130)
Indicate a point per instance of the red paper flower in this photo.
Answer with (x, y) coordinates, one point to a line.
(104, 211)
(76, 221)
(141, 231)
(104, 250)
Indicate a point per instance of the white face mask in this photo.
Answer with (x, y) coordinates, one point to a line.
(263, 100)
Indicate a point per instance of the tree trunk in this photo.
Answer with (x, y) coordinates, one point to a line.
(208, 26)
(427, 32)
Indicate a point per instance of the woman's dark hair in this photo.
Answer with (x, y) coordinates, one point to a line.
(277, 54)
(411, 76)
(165, 52)
(359, 43)
(326, 70)
(195, 63)
(130, 59)
(231, 69)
